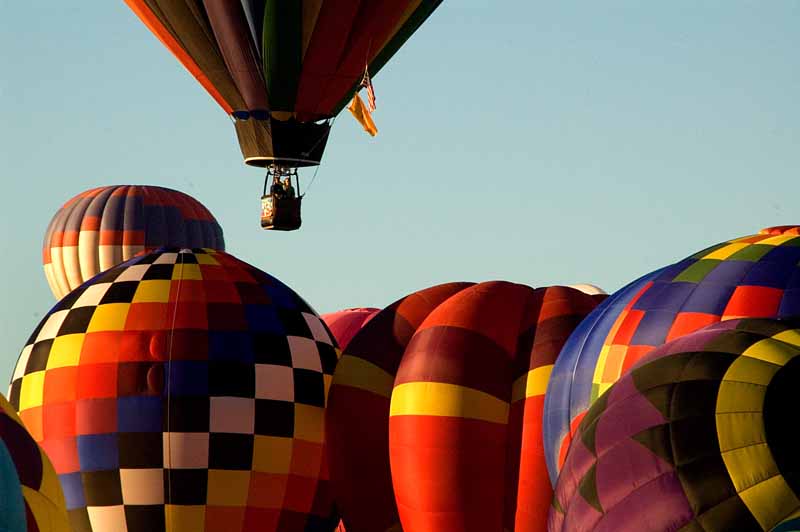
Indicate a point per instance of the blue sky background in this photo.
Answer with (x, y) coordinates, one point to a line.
(538, 142)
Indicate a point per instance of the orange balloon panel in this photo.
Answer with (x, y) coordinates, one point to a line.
(357, 414)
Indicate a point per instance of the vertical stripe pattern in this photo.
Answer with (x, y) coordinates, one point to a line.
(105, 226)
(265, 60)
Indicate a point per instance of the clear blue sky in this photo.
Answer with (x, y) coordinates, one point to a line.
(539, 142)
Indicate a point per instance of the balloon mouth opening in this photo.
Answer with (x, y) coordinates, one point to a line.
(781, 403)
(264, 162)
(781, 230)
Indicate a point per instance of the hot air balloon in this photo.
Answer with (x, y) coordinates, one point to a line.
(105, 226)
(344, 324)
(283, 70)
(434, 418)
(182, 391)
(698, 435)
(31, 499)
(751, 276)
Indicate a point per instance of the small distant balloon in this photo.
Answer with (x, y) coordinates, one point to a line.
(106, 226)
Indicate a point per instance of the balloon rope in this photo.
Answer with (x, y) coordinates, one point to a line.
(313, 177)
(179, 258)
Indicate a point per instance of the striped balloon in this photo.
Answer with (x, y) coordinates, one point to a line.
(278, 67)
(105, 226)
(457, 375)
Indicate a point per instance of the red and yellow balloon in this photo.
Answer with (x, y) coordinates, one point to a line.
(448, 384)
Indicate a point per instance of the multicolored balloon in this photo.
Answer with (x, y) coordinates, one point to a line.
(281, 69)
(434, 417)
(102, 227)
(182, 391)
(31, 499)
(696, 436)
(344, 324)
(752, 276)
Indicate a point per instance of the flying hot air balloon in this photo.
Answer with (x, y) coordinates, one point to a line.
(283, 70)
(105, 226)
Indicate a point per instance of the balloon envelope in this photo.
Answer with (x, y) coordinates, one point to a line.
(751, 276)
(105, 226)
(448, 385)
(182, 390)
(697, 436)
(279, 67)
(31, 499)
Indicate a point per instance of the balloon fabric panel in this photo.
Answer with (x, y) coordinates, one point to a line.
(190, 42)
(698, 427)
(182, 391)
(238, 50)
(282, 51)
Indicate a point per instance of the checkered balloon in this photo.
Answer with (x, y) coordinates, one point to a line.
(756, 276)
(182, 391)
